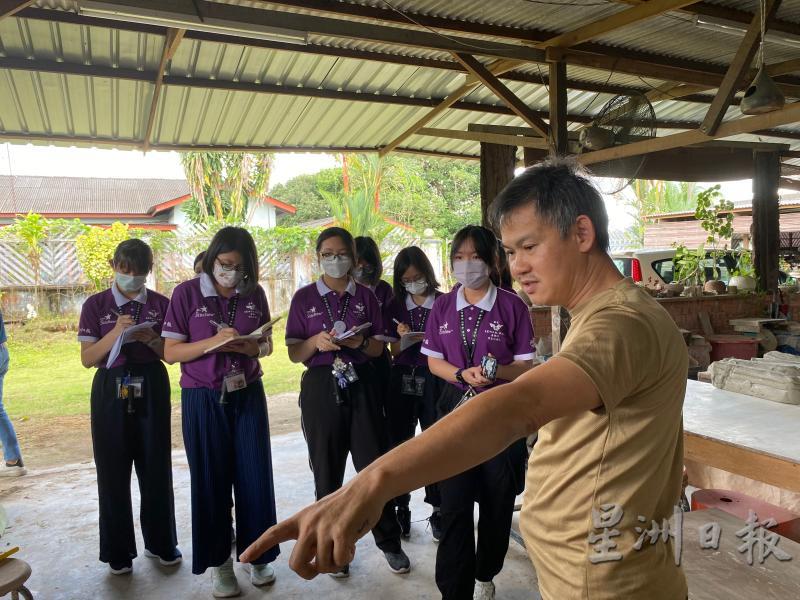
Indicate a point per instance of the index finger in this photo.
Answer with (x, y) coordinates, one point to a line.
(282, 532)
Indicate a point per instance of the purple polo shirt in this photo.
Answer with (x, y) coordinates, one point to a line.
(97, 319)
(308, 316)
(505, 330)
(407, 311)
(195, 303)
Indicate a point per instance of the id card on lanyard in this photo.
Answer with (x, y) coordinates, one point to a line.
(344, 372)
(234, 378)
(470, 348)
(412, 384)
(130, 388)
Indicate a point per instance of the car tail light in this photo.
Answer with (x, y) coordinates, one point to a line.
(636, 269)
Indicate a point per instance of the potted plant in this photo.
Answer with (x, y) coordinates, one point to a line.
(716, 217)
(743, 276)
(689, 268)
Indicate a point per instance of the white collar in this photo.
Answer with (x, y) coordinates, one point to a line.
(324, 290)
(486, 303)
(411, 305)
(122, 300)
(207, 286)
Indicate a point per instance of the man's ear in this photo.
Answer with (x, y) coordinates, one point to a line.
(585, 233)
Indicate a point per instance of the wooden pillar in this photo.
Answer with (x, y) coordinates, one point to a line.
(560, 318)
(558, 108)
(497, 169)
(766, 221)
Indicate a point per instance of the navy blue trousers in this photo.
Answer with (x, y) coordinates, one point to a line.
(140, 439)
(227, 446)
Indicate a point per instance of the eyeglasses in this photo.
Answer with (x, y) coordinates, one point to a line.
(229, 268)
(334, 256)
(406, 281)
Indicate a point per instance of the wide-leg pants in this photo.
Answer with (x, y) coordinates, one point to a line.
(404, 411)
(140, 439)
(228, 447)
(348, 422)
(494, 485)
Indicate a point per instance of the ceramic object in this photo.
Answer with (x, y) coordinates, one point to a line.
(714, 287)
(742, 283)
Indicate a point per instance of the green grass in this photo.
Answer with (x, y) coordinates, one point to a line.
(46, 377)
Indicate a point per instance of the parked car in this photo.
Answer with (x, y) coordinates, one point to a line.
(656, 266)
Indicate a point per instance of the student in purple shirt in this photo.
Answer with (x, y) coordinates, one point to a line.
(413, 389)
(225, 424)
(338, 393)
(477, 321)
(130, 412)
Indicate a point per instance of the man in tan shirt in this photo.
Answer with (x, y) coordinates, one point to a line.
(605, 474)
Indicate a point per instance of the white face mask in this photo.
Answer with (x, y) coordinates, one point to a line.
(416, 288)
(472, 274)
(227, 279)
(336, 266)
(130, 283)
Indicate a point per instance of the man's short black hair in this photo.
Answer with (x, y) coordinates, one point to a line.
(133, 256)
(559, 193)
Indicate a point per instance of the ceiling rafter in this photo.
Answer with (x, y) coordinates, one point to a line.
(739, 66)
(171, 42)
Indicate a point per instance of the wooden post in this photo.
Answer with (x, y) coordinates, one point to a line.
(766, 221)
(559, 139)
(497, 169)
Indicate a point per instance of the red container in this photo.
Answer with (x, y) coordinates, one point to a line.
(740, 505)
(733, 346)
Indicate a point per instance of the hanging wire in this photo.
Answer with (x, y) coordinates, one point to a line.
(762, 10)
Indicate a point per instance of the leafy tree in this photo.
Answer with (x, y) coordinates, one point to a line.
(96, 247)
(305, 192)
(651, 197)
(225, 184)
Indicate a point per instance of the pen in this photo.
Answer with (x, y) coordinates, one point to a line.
(397, 322)
(217, 325)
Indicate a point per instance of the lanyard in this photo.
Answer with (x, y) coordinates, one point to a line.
(137, 311)
(423, 320)
(470, 347)
(342, 308)
(232, 306)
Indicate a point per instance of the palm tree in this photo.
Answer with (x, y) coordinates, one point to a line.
(226, 186)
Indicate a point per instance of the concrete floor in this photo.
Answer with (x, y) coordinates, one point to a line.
(53, 519)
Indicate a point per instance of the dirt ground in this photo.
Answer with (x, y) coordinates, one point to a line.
(48, 442)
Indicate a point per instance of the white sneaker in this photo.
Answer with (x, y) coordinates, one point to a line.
(13, 470)
(484, 590)
(166, 562)
(262, 575)
(224, 580)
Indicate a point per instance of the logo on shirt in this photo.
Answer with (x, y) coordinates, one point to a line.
(444, 329)
(153, 315)
(313, 312)
(202, 312)
(359, 308)
(167, 323)
(494, 333)
(496, 325)
(252, 311)
(106, 319)
(85, 330)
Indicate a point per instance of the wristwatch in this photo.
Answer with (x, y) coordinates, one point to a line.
(460, 376)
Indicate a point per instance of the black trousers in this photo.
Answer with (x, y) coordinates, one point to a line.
(493, 485)
(403, 411)
(350, 422)
(142, 440)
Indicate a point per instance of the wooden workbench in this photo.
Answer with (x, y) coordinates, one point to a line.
(741, 434)
(725, 574)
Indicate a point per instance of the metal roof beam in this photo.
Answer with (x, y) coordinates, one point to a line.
(738, 67)
(11, 7)
(243, 17)
(23, 64)
(615, 21)
(591, 55)
(500, 90)
(788, 114)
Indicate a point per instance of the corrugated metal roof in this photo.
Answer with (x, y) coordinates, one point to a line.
(67, 106)
(49, 195)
